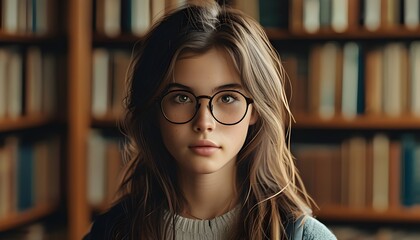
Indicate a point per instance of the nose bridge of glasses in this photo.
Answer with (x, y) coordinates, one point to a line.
(204, 97)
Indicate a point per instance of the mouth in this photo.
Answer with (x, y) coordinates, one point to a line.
(204, 148)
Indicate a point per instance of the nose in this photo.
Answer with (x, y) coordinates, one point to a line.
(203, 120)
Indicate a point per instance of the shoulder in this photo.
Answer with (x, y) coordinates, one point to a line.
(315, 230)
(104, 223)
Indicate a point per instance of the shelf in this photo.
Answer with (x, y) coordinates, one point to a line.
(356, 34)
(121, 39)
(359, 122)
(31, 38)
(408, 215)
(24, 122)
(32, 214)
(105, 121)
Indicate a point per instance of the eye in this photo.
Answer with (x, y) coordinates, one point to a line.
(181, 98)
(228, 98)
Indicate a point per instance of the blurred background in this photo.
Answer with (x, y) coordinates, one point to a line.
(353, 69)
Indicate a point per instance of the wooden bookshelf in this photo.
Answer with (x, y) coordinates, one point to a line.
(359, 34)
(18, 219)
(368, 215)
(82, 40)
(30, 57)
(30, 38)
(359, 122)
(24, 122)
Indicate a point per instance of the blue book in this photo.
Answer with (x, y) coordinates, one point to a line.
(410, 191)
(274, 13)
(25, 176)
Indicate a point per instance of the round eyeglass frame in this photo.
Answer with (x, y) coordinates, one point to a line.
(210, 105)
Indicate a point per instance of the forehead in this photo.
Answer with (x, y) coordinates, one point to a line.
(205, 71)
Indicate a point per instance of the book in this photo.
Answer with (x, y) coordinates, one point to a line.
(414, 79)
(350, 84)
(374, 81)
(381, 149)
(25, 176)
(340, 15)
(33, 81)
(3, 82)
(311, 15)
(101, 62)
(49, 83)
(357, 172)
(296, 15)
(140, 16)
(10, 12)
(372, 14)
(112, 17)
(393, 79)
(274, 13)
(96, 167)
(395, 175)
(325, 13)
(5, 180)
(314, 79)
(410, 193)
(329, 54)
(15, 84)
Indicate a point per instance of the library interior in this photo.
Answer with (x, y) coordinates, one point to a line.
(353, 68)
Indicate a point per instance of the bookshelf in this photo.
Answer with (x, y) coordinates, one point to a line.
(85, 35)
(313, 33)
(32, 57)
(77, 41)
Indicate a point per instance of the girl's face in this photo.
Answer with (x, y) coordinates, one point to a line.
(203, 145)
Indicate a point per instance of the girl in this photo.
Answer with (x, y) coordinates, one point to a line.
(208, 154)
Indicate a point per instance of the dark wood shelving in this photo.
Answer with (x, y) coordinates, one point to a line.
(359, 122)
(124, 38)
(17, 219)
(353, 34)
(397, 215)
(31, 38)
(24, 122)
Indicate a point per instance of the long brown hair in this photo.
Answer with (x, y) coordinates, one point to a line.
(271, 193)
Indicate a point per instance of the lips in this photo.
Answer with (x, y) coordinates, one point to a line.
(204, 148)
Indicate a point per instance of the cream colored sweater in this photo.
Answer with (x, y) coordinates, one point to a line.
(216, 228)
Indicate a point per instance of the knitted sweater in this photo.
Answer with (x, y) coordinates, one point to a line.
(217, 228)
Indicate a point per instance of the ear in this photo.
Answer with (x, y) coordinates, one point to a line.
(254, 117)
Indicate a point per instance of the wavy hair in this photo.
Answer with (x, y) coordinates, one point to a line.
(271, 192)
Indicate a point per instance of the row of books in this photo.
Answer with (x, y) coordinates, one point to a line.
(28, 82)
(378, 172)
(341, 15)
(108, 78)
(27, 16)
(350, 79)
(29, 173)
(114, 17)
(383, 233)
(104, 167)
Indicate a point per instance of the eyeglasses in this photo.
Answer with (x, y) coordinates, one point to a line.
(227, 107)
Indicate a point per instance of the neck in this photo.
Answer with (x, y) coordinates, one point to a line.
(208, 195)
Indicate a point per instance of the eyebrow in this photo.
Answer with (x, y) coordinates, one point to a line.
(219, 88)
